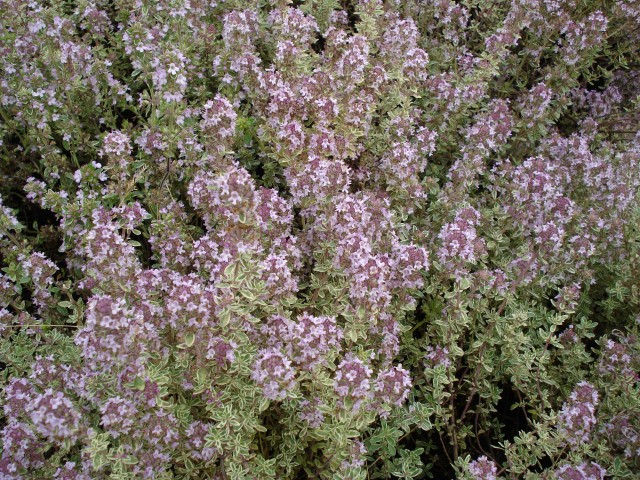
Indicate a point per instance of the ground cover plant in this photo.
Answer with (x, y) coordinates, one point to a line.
(324, 239)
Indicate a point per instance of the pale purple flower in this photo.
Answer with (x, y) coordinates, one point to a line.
(577, 417)
(274, 373)
(584, 471)
(483, 469)
(55, 416)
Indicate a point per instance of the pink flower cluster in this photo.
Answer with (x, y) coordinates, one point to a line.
(352, 380)
(483, 469)
(55, 417)
(577, 417)
(619, 359)
(460, 242)
(274, 373)
(584, 471)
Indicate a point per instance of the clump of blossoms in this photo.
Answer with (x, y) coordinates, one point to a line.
(619, 358)
(584, 471)
(392, 386)
(437, 357)
(460, 242)
(274, 373)
(364, 239)
(55, 416)
(578, 415)
(311, 338)
(483, 469)
(352, 381)
(20, 449)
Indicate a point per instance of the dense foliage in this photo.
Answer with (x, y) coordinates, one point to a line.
(327, 239)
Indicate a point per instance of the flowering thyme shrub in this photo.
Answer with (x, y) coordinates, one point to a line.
(320, 239)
